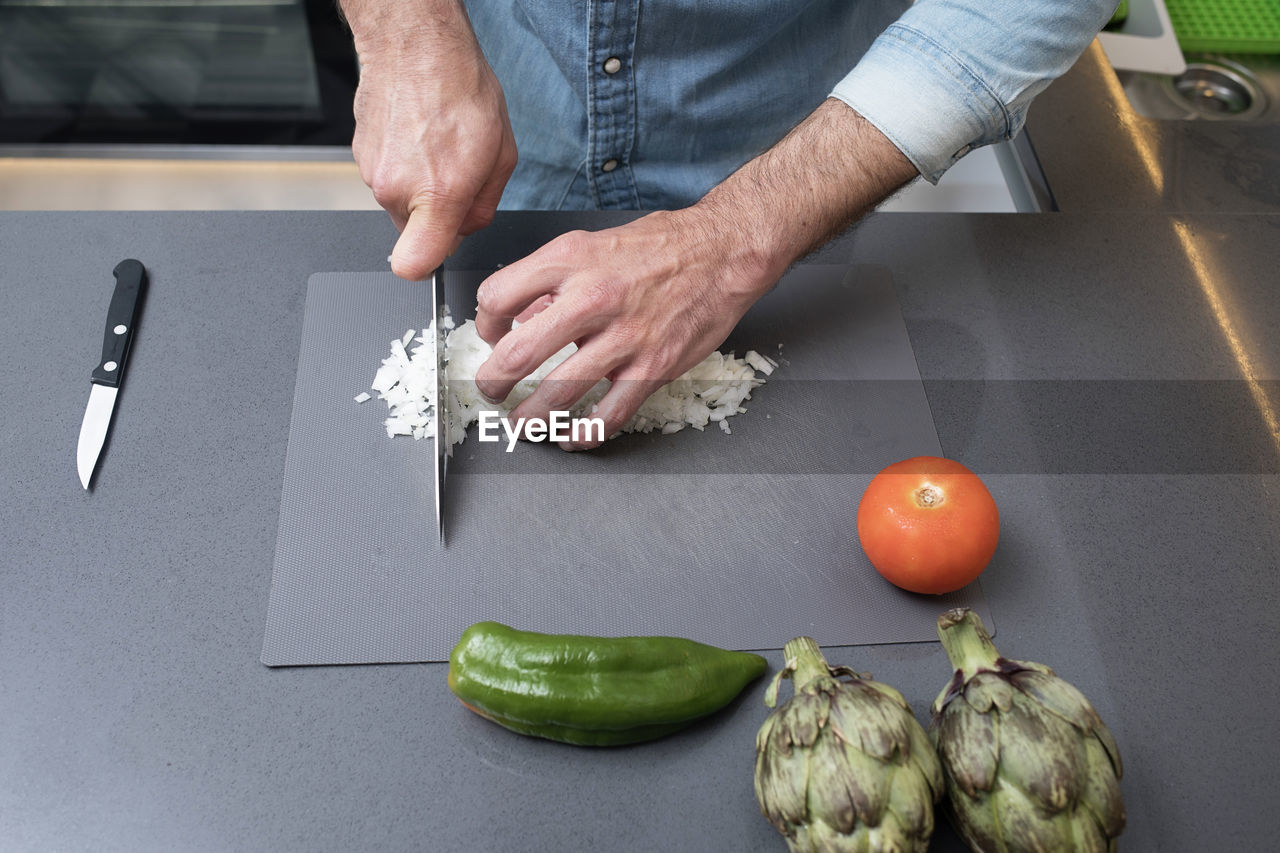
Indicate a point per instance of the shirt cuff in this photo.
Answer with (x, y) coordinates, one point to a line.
(924, 99)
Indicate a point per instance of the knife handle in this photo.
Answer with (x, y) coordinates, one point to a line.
(122, 321)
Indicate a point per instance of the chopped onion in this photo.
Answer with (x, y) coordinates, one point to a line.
(712, 391)
(761, 363)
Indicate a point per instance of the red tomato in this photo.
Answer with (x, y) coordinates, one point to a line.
(928, 524)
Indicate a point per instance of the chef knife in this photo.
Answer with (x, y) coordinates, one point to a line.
(108, 376)
(443, 447)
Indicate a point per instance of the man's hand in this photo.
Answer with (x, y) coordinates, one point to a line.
(644, 302)
(648, 300)
(432, 138)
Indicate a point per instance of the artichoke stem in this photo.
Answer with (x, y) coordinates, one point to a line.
(808, 661)
(966, 642)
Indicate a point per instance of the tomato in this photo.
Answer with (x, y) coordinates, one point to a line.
(928, 524)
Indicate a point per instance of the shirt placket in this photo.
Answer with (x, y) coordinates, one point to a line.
(611, 102)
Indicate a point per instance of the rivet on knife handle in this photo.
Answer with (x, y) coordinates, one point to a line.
(122, 317)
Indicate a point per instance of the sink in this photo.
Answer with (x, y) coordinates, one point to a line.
(1215, 87)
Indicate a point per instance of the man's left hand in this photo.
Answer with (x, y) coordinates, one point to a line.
(644, 302)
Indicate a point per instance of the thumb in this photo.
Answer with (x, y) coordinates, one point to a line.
(428, 237)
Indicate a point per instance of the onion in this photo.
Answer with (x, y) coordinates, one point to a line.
(762, 363)
(712, 391)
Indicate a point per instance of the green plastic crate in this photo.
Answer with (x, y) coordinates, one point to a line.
(1118, 17)
(1228, 26)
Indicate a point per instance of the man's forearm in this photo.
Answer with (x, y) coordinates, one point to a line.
(382, 26)
(829, 170)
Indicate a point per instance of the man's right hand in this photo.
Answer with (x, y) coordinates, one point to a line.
(432, 138)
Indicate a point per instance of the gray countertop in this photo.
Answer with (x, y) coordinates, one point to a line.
(1111, 375)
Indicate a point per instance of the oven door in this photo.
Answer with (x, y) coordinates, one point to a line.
(101, 74)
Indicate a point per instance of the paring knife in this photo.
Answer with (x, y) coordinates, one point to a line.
(108, 376)
(443, 447)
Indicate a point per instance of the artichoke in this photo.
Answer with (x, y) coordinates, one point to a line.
(1028, 763)
(844, 765)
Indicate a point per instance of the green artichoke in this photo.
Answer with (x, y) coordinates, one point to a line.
(1029, 765)
(843, 765)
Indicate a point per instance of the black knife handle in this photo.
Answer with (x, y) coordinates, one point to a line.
(122, 321)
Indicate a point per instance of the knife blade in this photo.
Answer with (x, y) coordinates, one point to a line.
(443, 447)
(108, 377)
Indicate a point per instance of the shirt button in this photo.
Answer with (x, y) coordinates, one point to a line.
(609, 165)
(612, 65)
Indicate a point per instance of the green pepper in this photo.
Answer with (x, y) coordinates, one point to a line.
(594, 691)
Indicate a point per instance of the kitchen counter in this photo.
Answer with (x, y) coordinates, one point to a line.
(1112, 375)
(1098, 154)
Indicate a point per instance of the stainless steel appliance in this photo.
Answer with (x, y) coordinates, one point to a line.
(90, 76)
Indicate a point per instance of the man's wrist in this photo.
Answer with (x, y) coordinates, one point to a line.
(718, 233)
(827, 172)
(384, 30)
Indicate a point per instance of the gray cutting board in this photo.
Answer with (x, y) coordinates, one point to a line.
(743, 541)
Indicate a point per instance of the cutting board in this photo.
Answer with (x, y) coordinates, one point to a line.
(742, 540)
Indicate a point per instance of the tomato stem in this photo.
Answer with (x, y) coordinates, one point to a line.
(929, 495)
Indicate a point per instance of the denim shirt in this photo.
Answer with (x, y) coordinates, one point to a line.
(624, 104)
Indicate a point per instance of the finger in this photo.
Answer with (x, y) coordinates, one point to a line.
(507, 294)
(394, 206)
(398, 218)
(482, 210)
(485, 206)
(565, 386)
(428, 237)
(618, 406)
(509, 291)
(523, 350)
(388, 190)
(537, 307)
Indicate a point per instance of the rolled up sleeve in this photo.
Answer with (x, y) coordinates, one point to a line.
(952, 75)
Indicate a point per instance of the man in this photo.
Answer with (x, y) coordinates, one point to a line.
(740, 123)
